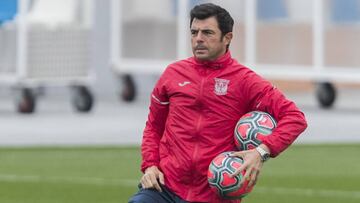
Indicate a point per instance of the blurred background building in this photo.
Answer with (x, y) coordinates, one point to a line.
(111, 50)
(283, 35)
(284, 40)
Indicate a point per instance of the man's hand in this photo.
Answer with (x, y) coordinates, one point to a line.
(252, 165)
(151, 177)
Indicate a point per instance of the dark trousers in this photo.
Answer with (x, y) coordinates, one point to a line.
(154, 196)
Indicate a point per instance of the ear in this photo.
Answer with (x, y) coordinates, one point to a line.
(228, 37)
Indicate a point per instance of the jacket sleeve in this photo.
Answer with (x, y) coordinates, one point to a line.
(291, 122)
(155, 125)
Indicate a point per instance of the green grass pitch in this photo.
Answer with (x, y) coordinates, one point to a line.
(303, 174)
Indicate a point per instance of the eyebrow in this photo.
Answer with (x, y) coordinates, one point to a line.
(204, 30)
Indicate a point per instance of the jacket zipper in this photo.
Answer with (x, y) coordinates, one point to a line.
(197, 132)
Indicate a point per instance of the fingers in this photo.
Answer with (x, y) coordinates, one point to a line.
(239, 154)
(238, 171)
(161, 178)
(246, 175)
(252, 164)
(155, 183)
(149, 180)
(146, 182)
(253, 178)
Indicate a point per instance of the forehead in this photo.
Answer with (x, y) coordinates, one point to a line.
(208, 23)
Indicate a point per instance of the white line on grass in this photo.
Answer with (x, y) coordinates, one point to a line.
(309, 192)
(132, 183)
(72, 180)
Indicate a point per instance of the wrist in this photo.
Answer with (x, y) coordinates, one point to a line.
(150, 168)
(264, 152)
(265, 147)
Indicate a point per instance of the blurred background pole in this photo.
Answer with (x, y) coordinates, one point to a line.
(21, 55)
(250, 32)
(183, 28)
(318, 35)
(116, 31)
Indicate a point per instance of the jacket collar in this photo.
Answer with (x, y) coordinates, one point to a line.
(216, 64)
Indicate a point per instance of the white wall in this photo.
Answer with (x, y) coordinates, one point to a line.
(300, 10)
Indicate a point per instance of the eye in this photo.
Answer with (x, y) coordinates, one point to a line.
(194, 32)
(208, 32)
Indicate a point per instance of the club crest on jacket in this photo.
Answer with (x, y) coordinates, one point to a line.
(221, 86)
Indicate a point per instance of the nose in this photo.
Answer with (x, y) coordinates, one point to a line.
(199, 37)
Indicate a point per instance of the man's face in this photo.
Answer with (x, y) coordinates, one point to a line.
(206, 40)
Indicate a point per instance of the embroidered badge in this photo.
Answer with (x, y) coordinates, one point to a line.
(221, 86)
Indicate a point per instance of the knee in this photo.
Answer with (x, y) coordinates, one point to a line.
(142, 197)
(136, 199)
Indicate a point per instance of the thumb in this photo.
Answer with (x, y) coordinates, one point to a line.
(161, 178)
(237, 154)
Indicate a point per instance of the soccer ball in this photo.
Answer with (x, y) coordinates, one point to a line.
(252, 128)
(220, 169)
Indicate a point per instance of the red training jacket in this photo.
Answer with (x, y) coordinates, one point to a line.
(193, 112)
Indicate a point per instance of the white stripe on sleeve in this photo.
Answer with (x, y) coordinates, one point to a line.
(158, 100)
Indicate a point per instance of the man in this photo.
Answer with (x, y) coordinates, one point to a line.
(193, 112)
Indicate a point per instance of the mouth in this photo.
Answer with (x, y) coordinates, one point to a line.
(200, 49)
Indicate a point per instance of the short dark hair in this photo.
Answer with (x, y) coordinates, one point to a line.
(203, 11)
